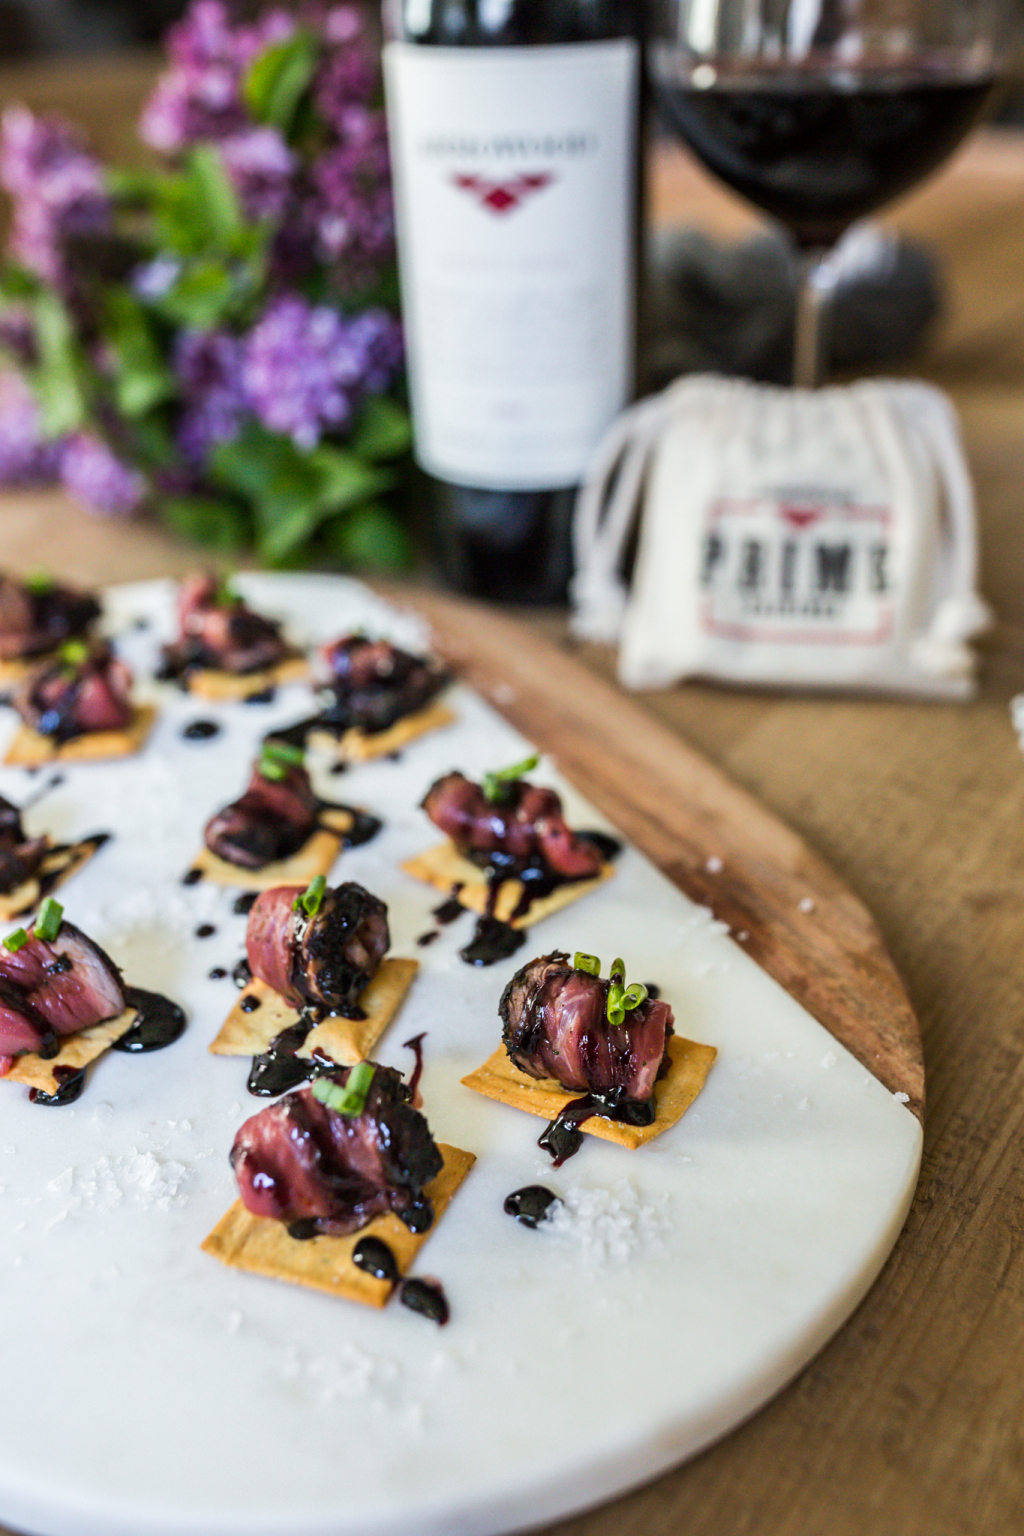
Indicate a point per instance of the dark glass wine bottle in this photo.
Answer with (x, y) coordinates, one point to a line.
(514, 128)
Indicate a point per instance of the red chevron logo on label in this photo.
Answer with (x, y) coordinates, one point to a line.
(502, 196)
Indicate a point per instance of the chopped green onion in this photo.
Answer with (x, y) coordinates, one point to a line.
(617, 971)
(284, 752)
(48, 922)
(16, 940)
(74, 652)
(494, 784)
(40, 582)
(589, 963)
(312, 896)
(634, 996)
(350, 1098)
(226, 596)
(616, 1015)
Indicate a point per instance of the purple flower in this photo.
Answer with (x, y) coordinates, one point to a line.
(209, 368)
(200, 96)
(94, 475)
(349, 74)
(58, 190)
(261, 167)
(352, 200)
(305, 368)
(25, 459)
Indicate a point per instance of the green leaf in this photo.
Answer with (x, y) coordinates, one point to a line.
(346, 479)
(216, 196)
(142, 379)
(383, 430)
(202, 297)
(204, 520)
(371, 538)
(61, 377)
(277, 80)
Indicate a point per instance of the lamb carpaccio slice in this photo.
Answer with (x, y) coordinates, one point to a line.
(374, 683)
(270, 821)
(64, 698)
(555, 1024)
(51, 988)
(220, 631)
(324, 961)
(299, 1160)
(526, 823)
(37, 617)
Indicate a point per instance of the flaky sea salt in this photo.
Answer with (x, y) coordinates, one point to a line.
(606, 1224)
(829, 1059)
(902, 1098)
(806, 904)
(714, 865)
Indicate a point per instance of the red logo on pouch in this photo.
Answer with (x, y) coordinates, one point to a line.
(503, 196)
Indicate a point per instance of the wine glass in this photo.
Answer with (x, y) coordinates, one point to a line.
(819, 111)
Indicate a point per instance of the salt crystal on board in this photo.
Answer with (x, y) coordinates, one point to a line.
(806, 904)
(714, 865)
(902, 1098)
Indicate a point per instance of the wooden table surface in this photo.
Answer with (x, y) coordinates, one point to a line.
(911, 1422)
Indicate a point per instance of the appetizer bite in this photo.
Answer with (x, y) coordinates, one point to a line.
(510, 857)
(32, 867)
(279, 830)
(36, 616)
(320, 983)
(78, 707)
(376, 699)
(224, 650)
(63, 1003)
(340, 1183)
(590, 1054)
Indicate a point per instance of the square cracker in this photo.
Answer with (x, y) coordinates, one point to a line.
(226, 687)
(315, 857)
(500, 1079)
(76, 1051)
(17, 668)
(58, 866)
(359, 746)
(345, 1041)
(262, 1245)
(445, 868)
(30, 750)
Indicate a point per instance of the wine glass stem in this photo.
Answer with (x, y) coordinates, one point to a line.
(812, 308)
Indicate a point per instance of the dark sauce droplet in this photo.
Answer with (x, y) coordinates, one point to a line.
(607, 846)
(339, 767)
(241, 973)
(416, 1046)
(376, 1258)
(418, 1217)
(653, 990)
(264, 696)
(192, 877)
(427, 1298)
(205, 930)
(200, 730)
(531, 1204)
(142, 622)
(563, 1137)
(217, 974)
(159, 1024)
(71, 1080)
(303, 1230)
(243, 905)
(277, 1069)
(428, 937)
(250, 1003)
(492, 940)
(449, 910)
(364, 827)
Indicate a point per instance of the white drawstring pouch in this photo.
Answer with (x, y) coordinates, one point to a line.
(790, 538)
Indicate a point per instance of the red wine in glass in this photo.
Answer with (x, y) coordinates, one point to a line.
(819, 148)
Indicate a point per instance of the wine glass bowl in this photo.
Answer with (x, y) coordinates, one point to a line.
(821, 111)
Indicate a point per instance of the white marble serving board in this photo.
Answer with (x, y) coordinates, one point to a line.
(149, 1391)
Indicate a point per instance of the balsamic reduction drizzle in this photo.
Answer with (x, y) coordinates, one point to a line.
(250, 1003)
(304, 1229)
(492, 940)
(217, 974)
(241, 973)
(376, 1258)
(192, 877)
(427, 1298)
(415, 1045)
(159, 1024)
(243, 905)
(429, 937)
(530, 1204)
(71, 1080)
(200, 730)
(205, 930)
(264, 696)
(563, 1137)
(278, 1069)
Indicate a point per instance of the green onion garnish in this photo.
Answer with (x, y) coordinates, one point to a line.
(617, 971)
(16, 940)
(73, 653)
(276, 757)
(589, 963)
(312, 896)
(40, 582)
(494, 784)
(634, 996)
(226, 596)
(349, 1099)
(47, 925)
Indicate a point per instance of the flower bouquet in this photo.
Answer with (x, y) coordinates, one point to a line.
(216, 338)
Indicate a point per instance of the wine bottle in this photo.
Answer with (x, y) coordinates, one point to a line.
(514, 130)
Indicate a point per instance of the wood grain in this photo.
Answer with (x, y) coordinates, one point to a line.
(800, 921)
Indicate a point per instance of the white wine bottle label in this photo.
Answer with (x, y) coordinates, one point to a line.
(514, 181)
